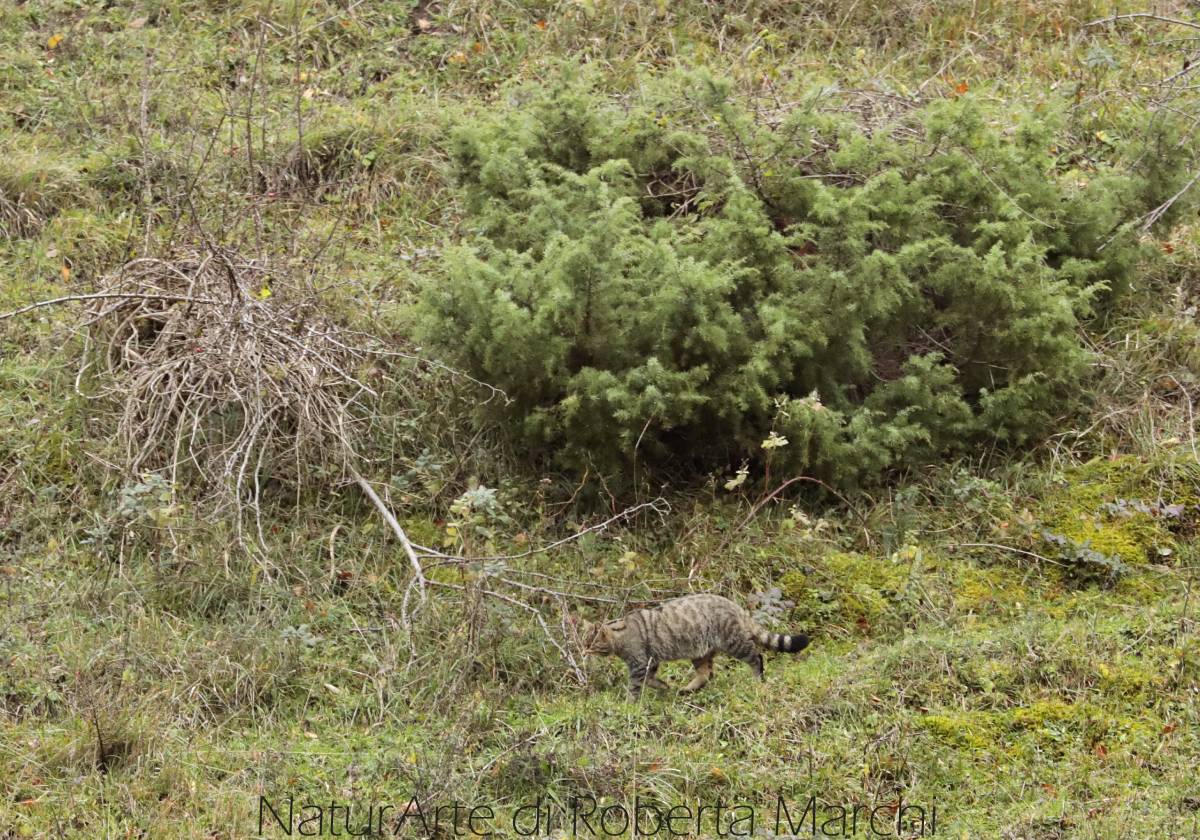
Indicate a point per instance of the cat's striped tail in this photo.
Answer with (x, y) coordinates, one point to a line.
(782, 641)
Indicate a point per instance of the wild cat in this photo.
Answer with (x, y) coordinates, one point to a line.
(694, 627)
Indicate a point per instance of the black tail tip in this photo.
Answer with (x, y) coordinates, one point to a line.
(794, 644)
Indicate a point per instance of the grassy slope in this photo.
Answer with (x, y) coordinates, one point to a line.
(159, 686)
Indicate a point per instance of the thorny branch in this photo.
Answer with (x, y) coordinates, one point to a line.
(658, 505)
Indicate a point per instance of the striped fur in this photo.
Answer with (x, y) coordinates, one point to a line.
(694, 627)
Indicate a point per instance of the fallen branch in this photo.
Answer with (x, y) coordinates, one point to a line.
(1156, 569)
(1151, 218)
(394, 524)
(376, 349)
(596, 599)
(1145, 16)
(1013, 549)
(658, 505)
(106, 296)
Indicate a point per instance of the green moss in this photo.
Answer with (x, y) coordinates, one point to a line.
(1054, 720)
(993, 590)
(795, 586)
(852, 590)
(1051, 724)
(973, 730)
(1141, 588)
(989, 676)
(1128, 679)
(422, 530)
(1043, 712)
(873, 572)
(1081, 509)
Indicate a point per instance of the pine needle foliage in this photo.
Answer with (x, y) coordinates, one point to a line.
(670, 279)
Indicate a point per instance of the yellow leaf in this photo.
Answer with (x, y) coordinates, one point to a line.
(54, 40)
(774, 441)
(65, 271)
(739, 479)
(264, 292)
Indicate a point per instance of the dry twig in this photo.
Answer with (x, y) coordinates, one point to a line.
(394, 524)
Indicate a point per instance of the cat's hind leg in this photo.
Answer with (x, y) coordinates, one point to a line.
(748, 652)
(704, 669)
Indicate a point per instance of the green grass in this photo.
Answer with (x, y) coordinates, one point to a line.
(157, 677)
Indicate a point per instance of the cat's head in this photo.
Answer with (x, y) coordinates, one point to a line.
(599, 638)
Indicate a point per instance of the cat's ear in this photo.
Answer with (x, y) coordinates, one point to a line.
(586, 633)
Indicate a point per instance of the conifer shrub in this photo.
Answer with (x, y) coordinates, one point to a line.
(674, 278)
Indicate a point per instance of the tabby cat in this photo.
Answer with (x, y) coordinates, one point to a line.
(693, 627)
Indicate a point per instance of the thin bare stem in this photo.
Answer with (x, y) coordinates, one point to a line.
(41, 304)
(394, 524)
(1142, 16)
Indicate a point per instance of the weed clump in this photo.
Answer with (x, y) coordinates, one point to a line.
(35, 185)
(342, 148)
(855, 591)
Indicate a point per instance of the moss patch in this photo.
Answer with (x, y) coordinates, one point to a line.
(855, 591)
(995, 590)
(973, 730)
(1115, 506)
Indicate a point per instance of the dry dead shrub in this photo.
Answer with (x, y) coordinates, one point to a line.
(226, 368)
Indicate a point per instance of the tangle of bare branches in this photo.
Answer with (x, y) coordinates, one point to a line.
(221, 366)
